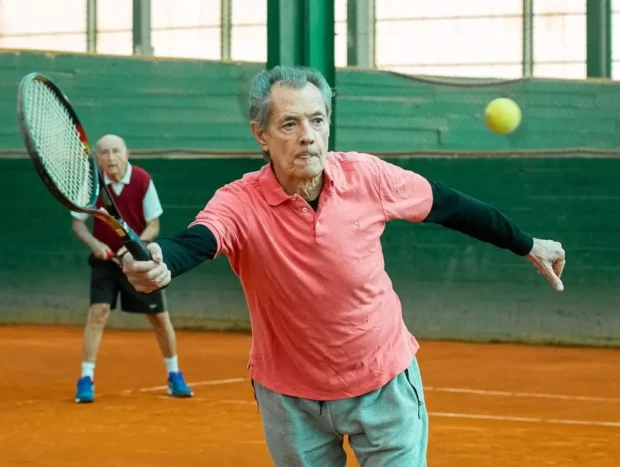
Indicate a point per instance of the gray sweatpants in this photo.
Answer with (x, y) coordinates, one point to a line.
(386, 428)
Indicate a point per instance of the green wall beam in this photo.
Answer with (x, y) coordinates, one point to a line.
(285, 32)
(302, 33)
(142, 27)
(225, 29)
(528, 38)
(361, 33)
(598, 34)
(91, 26)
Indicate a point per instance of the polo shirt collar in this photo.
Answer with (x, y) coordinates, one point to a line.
(273, 191)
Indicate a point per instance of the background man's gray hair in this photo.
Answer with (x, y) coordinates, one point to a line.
(293, 77)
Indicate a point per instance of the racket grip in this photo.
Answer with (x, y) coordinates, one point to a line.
(137, 247)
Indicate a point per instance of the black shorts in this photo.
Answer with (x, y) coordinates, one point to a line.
(107, 281)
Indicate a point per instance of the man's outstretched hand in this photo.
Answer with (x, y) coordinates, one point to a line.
(549, 258)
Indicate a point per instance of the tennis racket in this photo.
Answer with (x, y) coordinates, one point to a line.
(58, 147)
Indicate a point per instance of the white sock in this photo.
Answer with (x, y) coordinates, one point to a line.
(88, 369)
(172, 364)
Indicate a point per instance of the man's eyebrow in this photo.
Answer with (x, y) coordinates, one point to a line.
(288, 117)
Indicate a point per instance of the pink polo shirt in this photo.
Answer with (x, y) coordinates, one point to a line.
(326, 322)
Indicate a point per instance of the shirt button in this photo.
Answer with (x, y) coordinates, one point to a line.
(318, 223)
(304, 209)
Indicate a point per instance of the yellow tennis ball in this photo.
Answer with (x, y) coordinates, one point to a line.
(502, 115)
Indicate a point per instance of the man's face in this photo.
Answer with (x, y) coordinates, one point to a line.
(297, 134)
(112, 156)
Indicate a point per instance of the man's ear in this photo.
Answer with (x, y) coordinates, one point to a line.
(259, 134)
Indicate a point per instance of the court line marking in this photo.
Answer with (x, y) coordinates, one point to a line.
(481, 392)
(504, 418)
(555, 421)
(524, 419)
(484, 392)
(213, 382)
(237, 402)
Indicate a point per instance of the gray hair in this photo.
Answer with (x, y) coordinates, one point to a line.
(293, 77)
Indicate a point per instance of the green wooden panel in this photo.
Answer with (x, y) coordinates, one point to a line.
(451, 286)
(118, 94)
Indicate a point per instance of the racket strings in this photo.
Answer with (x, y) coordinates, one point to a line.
(59, 145)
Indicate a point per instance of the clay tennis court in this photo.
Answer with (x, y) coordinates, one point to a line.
(490, 405)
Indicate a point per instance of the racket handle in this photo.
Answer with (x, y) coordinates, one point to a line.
(137, 247)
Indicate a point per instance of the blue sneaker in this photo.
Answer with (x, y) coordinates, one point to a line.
(85, 390)
(177, 386)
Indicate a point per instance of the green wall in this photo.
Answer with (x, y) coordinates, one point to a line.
(159, 104)
(451, 286)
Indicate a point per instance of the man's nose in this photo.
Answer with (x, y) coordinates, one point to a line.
(308, 134)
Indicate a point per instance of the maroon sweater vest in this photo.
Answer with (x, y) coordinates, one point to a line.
(130, 204)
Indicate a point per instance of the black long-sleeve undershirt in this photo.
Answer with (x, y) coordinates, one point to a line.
(458, 211)
(188, 248)
(451, 209)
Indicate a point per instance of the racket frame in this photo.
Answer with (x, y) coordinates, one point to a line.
(111, 216)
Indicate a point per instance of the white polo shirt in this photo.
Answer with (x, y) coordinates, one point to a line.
(151, 204)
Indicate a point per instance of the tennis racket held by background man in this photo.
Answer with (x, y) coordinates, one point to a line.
(59, 149)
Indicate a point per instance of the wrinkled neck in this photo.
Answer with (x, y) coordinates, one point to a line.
(308, 188)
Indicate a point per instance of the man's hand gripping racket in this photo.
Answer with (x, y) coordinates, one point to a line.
(58, 147)
(147, 276)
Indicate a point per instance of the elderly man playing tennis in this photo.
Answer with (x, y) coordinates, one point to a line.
(331, 355)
